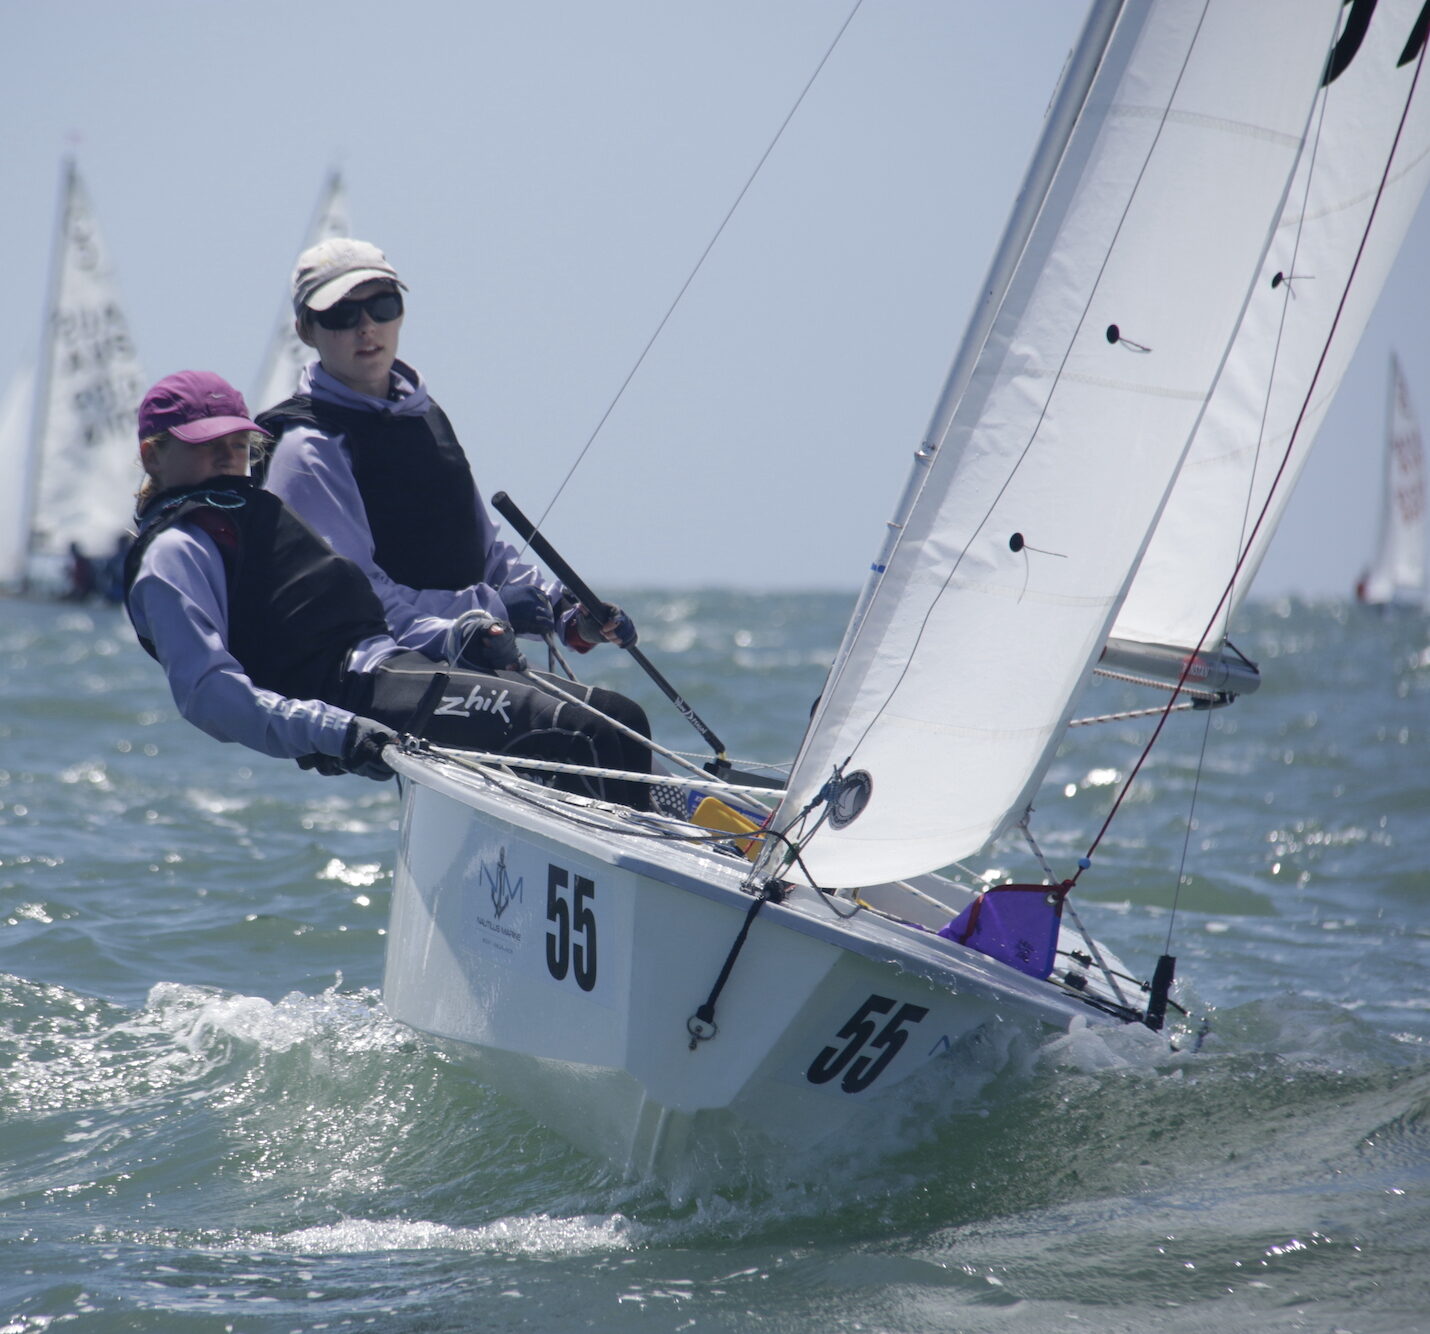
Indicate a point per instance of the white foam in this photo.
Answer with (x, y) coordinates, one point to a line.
(537, 1234)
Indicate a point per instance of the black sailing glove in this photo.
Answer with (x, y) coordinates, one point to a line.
(582, 631)
(480, 642)
(362, 752)
(529, 610)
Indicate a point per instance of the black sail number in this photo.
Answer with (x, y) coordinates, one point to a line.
(867, 1048)
(1353, 31)
(571, 937)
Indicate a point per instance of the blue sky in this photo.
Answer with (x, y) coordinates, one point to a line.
(545, 176)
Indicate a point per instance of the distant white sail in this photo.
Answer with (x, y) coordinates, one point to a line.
(1398, 572)
(287, 354)
(15, 438)
(83, 461)
(1114, 298)
(1356, 189)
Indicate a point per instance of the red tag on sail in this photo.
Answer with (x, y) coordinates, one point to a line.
(1015, 924)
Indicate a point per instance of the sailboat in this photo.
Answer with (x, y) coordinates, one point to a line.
(286, 354)
(658, 989)
(73, 463)
(1397, 574)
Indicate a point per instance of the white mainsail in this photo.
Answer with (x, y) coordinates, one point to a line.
(82, 466)
(1110, 308)
(1355, 191)
(287, 354)
(1398, 572)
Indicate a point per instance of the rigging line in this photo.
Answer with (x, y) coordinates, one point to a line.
(1087, 939)
(1276, 356)
(704, 255)
(1187, 832)
(1047, 401)
(1286, 456)
(613, 824)
(1172, 705)
(478, 759)
(550, 687)
(1132, 713)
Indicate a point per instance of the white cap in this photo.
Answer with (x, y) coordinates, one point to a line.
(328, 271)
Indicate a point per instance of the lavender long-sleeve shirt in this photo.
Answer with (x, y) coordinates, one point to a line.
(312, 471)
(179, 602)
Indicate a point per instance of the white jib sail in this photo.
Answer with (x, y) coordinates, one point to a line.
(1146, 213)
(84, 457)
(1351, 202)
(1398, 572)
(287, 354)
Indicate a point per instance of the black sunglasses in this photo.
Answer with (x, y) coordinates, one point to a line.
(384, 307)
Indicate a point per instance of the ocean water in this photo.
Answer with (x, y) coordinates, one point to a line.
(207, 1123)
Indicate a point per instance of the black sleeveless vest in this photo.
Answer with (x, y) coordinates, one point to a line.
(416, 486)
(294, 607)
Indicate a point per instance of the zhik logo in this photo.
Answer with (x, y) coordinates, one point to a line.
(496, 704)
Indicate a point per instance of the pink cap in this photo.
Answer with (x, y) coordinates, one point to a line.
(194, 406)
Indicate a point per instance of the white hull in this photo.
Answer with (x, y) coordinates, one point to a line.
(564, 961)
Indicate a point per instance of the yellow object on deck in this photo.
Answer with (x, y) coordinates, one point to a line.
(712, 813)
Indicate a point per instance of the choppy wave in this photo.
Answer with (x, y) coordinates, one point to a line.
(209, 1122)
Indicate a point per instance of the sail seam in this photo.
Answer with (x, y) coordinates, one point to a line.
(1239, 128)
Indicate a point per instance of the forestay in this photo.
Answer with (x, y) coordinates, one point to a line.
(1354, 194)
(83, 465)
(1110, 307)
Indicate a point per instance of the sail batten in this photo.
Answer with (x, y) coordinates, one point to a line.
(1061, 428)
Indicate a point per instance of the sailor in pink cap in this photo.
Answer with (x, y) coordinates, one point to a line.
(271, 639)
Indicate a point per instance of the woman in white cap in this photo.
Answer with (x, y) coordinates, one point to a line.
(271, 639)
(372, 463)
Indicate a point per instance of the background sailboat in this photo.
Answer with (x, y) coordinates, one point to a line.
(286, 355)
(1397, 574)
(77, 471)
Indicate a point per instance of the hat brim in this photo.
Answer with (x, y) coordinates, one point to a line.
(335, 289)
(210, 428)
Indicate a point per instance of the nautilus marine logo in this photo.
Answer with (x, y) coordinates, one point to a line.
(499, 884)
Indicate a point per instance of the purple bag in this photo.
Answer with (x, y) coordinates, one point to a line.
(1015, 924)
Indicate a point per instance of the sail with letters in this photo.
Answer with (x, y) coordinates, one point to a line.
(80, 467)
(1109, 312)
(1357, 188)
(287, 354)
(1397, 574)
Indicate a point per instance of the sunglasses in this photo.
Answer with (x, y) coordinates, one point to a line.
(383, 307)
